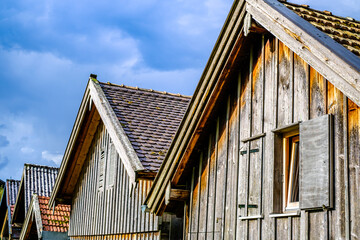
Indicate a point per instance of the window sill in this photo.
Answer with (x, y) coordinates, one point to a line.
(281, 215)
(251, 217)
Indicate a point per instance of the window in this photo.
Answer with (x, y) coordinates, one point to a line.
(291, 172)
(303, 166)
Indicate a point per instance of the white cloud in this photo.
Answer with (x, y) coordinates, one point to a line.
(27, 150)
(53, 157)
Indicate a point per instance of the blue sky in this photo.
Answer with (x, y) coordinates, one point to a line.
(48, 49)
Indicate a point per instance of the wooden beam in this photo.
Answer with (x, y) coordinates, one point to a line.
(145, 175)
(173, 194)
(81, 147)
(215, 65)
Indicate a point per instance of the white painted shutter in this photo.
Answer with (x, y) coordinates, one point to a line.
(316, 161)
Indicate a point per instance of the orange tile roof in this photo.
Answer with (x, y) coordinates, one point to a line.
(12, 207)
(57, 221)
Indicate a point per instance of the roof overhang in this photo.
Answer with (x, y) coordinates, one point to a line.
(33, 216)
(329, 58)
(93, 109)
(19, 207)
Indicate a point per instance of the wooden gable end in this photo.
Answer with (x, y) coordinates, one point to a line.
(234, 169)
(94, 109)
(105, 202)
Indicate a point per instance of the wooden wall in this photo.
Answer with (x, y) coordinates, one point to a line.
(105, 203)
(272, 88)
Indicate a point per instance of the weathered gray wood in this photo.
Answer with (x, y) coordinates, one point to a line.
(316, 163)
(317, 94)
(269, 123)
(226, 169)
(353, 169)
(208, 79)
(220, 177)
(301, 89)
(203, 206)
(285, 96)
(110, 209)
(327, 56)
(191, 209)
(335, 107)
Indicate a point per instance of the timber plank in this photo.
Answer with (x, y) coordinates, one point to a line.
(335, 107)
(295, 228)
(282, 225)
(316, 225)
(354, 168)
(231, 195)
(317, 94)
(203, 196)
(285, 87)
(270, 86)
(212, 184)
(301, 89)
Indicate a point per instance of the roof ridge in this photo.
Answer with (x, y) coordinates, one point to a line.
(146, 90)
(39, 166)
(326, 12)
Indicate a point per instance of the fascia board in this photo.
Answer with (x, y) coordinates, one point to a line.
(332, 60)
(73, 136)
(121, 141)
(197, 104)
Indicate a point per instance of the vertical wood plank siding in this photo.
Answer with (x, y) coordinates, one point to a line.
(105, 204)
(273, 88)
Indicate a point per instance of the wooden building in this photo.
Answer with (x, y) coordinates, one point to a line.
(269, 146)
(119, 140)
(41, 222)
(36, 179)
(6, 209)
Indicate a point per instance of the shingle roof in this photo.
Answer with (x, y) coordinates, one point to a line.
(38, 180)
(57, 221)
(12, 188)
(149, 118)
(345, 31)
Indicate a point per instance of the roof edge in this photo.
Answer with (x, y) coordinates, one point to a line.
(33, 207)
(69, 147)
(121, 141)
(229, 33)
(332, 60)
(94, 93)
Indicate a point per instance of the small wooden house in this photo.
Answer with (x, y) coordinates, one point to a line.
(6, 209)
(41, 222)
(36, 179)
(269, 147)
(119, 140)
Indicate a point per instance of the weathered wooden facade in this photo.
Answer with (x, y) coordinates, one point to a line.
(6, 209)
(119, 140)
(273, 78)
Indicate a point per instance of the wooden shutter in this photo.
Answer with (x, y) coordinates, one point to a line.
(316, 140)
(111, 167)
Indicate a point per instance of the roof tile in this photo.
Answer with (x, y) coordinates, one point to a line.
(57, 221)
(149, 118)
(345, 31)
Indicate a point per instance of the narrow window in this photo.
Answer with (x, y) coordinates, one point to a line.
(291, 172)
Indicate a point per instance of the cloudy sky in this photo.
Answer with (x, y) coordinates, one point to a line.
(48, 49)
